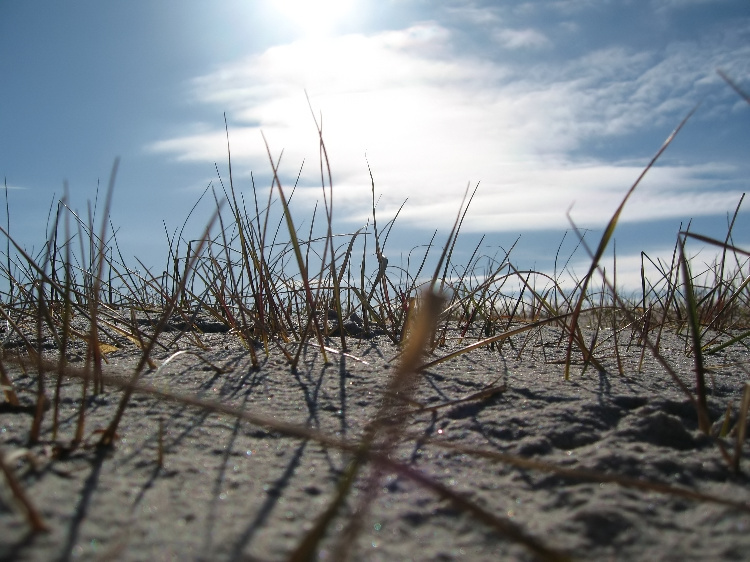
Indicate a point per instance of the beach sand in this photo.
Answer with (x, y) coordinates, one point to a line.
(228, 489)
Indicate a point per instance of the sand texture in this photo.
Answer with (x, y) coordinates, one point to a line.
(229, 489)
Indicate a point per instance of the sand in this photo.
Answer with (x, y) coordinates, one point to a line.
(227, 489)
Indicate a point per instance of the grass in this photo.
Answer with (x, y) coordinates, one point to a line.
(258, 279)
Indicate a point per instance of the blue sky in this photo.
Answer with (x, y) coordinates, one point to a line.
(547, 104)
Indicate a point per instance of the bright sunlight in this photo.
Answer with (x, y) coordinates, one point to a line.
(314, 17)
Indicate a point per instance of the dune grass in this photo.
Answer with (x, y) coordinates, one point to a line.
(261, 281)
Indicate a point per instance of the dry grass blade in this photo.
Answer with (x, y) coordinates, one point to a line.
(8, 390)
(487, 393)
(730, 342)
(699, 406)
(573, 328)
(310, 301)
(493, 339)
(108, 436)
(32, 514)
(732, 293)
(692, 312)
(449, 244)
(66, 330)
(734, 85)
(94, 301)
(504, 527)
(715, 242)
(592, 475)
(325, 171)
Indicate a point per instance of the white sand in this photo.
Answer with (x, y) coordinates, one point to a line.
(229, 490)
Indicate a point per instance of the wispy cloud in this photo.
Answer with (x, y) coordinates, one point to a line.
(521, 38)
(432, 116)
(664, 5)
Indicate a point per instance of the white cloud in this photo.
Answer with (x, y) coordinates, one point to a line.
(431, 120)
(521, 38)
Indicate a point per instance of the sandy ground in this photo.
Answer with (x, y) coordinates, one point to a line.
(230, 490)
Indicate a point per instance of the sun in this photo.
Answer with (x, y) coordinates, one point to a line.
(314, 17)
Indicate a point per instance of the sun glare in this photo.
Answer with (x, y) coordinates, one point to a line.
(314, 17)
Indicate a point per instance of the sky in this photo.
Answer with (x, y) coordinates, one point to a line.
(550, 106)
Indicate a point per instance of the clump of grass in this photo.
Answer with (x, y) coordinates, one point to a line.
(259, 280)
